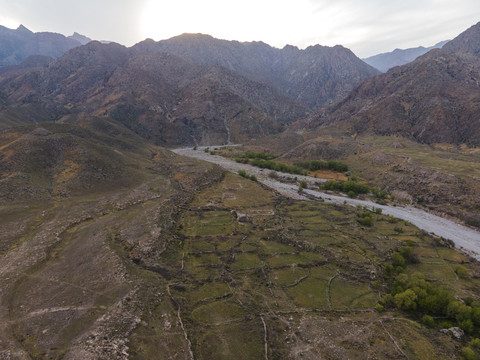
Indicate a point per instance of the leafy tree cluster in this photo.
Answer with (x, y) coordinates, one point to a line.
(352, 188)
(471, 351)
(244, 174)
(257, 155)
(365, 217)
(425, 299)
(323, 165)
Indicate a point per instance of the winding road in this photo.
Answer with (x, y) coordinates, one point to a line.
(464, 237)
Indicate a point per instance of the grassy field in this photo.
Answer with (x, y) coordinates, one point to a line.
(315, 260)
(167, 268)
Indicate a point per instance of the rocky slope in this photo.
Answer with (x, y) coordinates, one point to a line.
(433, 99)
(16, 45)
(397, 57)
(316, 76)
(160, 96)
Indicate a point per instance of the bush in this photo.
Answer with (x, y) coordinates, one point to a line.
(398, 259)
(379, 308)
(462, 272)
(303, 184)
(323, 165)
(475, 343)
(366, 221)
(428, 321)
(468, 353)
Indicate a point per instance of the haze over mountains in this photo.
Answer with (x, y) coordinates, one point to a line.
(18, 44)
(397, 57)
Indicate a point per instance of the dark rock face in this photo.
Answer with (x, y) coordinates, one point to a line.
(17, 45)
(316, 76)
(160, 96)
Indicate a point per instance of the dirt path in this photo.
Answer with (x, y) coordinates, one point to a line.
(464, 238)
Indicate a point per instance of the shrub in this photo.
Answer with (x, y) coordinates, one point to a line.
(303, 184)
(428, 321)
(406, 300)
(366, 221)
(379, 308)
(475, 343)
(468, 353)
(462, 272)
(398, 259)
(273, 175)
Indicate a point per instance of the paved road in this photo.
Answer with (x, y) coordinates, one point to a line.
(464, 237)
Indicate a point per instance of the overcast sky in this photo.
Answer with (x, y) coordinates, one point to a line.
(367, 27)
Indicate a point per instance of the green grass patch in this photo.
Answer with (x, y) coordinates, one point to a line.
(287, 260)
(434, 271)
(209, 290)
(246, 261)
(231, 342)
(288, 276)
(272, 247)
(352, 295)
(208, 223)
(218, 312)
(310, 293)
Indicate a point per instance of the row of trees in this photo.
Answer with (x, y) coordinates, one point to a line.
(323, 165)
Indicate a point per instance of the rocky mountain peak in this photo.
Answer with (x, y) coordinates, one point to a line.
(466, 42)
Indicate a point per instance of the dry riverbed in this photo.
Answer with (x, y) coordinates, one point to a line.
(464, 238)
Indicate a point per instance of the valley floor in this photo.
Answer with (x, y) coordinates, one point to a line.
(465, 238)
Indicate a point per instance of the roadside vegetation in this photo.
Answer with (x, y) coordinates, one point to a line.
(353, 188)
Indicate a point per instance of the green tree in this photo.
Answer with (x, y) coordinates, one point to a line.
(406, 300)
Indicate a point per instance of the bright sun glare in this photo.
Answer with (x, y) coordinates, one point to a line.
(246, 21)
(9, 23)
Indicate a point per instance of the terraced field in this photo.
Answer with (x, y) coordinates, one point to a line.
(267, 277)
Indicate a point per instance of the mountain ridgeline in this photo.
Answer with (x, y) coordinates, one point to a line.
(192, 89)
(17, 45)
(434, 99)
(398, 57)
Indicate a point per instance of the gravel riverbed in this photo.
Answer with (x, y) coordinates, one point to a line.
(465, 238)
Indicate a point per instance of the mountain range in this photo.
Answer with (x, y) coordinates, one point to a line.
(114, 247)
(18, 44)
(170, 93)
(433, 99)
(397, 57)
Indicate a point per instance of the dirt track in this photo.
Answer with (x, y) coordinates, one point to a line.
(463, 237)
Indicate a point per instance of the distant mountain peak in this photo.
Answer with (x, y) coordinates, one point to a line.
(17, 45)
(397, 57)
(82, 39)
(23, 29)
